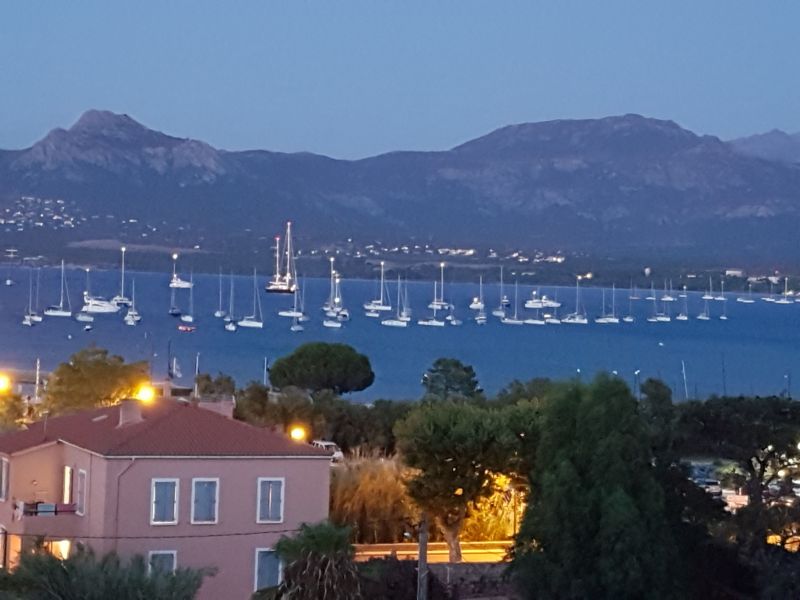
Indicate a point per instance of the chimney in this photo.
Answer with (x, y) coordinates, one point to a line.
(130, 412)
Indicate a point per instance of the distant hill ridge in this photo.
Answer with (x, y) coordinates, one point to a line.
(619, 184)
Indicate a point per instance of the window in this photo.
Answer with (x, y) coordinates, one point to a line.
(268, 569)
(164, 561)
(164, 502)
(205, 499)
(66, 494)
(270, 500)
(80, 494)
(3, 479)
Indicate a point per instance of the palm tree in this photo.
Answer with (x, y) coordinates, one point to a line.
(319, 564)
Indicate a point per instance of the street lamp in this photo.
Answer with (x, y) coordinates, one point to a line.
(5, 383)
(637, 388)
(145, 394)
(298, 433)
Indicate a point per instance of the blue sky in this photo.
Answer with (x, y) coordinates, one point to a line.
(352, 79)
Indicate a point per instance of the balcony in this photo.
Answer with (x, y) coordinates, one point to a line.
(48, 519)
(45, 509)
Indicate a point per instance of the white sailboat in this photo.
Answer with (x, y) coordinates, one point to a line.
(397, 321)
(609, 318)
(59, 310)
(120, 299)
(328, 306)
(705, 315)
(652, 295)
(256, 320)
(337, 313)
(480, 318)
(784, 299)
(294, 312)
(749, 298)
(538, 301)
(230, 320)
(176, 282)
(770, 297)
(220, 313)
(132, 317)
(667, 296)
(634, 292)
(27, 318)
(284, 281)
(381, 303)
(188, 317)
(439, 302)
(405, 311)
(684, 314)
(578, 317)
(629, 318)
(433, 321)
(500, 311)
(721, 297)
(515, 320)
(724, 315)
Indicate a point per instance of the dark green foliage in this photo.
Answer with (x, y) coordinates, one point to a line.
(91, 378)
(83, 576)
(12, 411)
(450, 378)
(221, 385)
(454, 447)
(319, 564)
(595, 527)
(518, 391)
(393, 579)
(321, 366)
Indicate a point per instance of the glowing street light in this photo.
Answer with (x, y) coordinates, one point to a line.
(145, 394)
(298, 433)
(5, 383)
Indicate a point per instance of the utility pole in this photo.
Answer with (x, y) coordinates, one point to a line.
(422, 565)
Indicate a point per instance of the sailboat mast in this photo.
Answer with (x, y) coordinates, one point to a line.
(122, 278)
(382, 284)
(290, 275)
(61, 298)
(277, 276)
(441, 290)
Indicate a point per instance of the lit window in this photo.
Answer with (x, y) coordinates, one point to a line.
(270, 500)
(268, 569)
(3, 479)
(205, 497)
(66, 495)
(164, 561)
(80, 493)
(164, 502)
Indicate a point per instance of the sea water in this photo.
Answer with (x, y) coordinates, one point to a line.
(754, 351)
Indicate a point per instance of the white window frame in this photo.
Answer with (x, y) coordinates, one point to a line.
(176, 502)
(216, 500)
(150, 554)
(81, 510)
(255, 564)
(4, 469)
(258, 499)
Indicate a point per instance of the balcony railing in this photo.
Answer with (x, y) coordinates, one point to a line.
(44, 509)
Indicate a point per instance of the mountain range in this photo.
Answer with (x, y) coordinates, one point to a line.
(626, 185)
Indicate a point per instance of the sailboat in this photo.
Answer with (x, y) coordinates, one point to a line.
(709, 295)
(704, 316)
(380, 304)
(452, 318)
(27, 318)
(294, 312)
(132, 317)
(120, 299)
(256, 320)
(578, 317)
(174, 309)
(439, 302)
(634, 293)
(684, 314)
(284, 281)
(96, 304)
(749, 298)
(667, 296)
(433, 321)
(34, 312)
(230, 320)
(176, 281)
(609, 318)
(515, 320)
(500, 311)
(329, 306)
(480, 318)
(538, 300)
(397, 321)
(724, 315)
(188, 317)
(58, 310)
(721, 297)
(337, 313)
(770, 297)
(784, 299)
(629, 318)
(477, 301)
(405, 311)
(219, 313)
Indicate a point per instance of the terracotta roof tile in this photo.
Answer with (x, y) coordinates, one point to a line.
(168, 428)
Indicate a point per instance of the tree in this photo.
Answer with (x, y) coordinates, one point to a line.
(92, 378)
(517, 391)
(454, 448)
(12, 411)
(319, 564)
(41, 576)
(221, 385)
(450, 377)
(595, 526)
(291, 407)
(321, 366)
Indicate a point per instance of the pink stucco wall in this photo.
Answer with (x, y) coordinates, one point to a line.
(118, 508)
